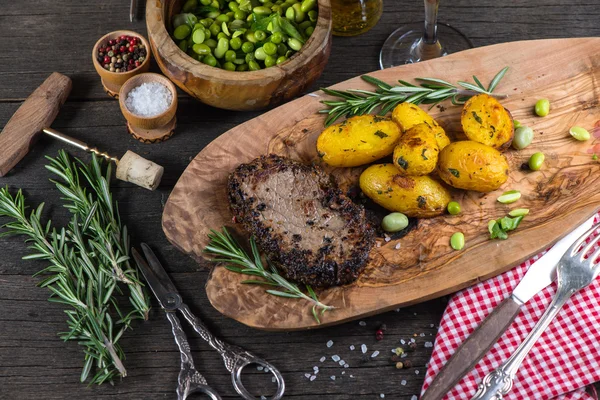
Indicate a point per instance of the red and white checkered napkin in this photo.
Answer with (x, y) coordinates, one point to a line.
(563, 362)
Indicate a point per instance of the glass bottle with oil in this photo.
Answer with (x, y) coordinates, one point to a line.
(353, 17)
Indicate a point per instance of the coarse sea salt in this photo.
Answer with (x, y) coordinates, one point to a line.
(375, 354)
(403, 382)
(149, 99)
(330, 343)
(335, 358)
(322, 359)
(363, 348)
(352, 347)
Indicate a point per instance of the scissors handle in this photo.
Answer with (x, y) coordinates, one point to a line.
(235, 358)
(190, 380)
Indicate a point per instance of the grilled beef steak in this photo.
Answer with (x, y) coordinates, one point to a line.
(311, 231)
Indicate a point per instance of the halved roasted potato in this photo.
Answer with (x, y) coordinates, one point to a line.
(486, 121)
(472, 166)
(415, 196)
(408, 115)
(417, 151)
(358, 140)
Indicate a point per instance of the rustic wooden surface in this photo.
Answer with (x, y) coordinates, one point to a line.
(560, 197)
(39, 37)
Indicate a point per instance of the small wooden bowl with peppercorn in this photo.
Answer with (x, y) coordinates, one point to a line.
(238, 90)
(118, 56)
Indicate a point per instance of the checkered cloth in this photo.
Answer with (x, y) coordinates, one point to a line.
(564, 361)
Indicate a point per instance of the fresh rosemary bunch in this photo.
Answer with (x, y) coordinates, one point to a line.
(430, 91)
(89, 263)
(227, 250)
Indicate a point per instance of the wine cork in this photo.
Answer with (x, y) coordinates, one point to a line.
(139, 171)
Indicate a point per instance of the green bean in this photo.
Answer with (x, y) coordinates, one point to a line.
(230, 55)
(300, 15)
(294, 44)
(312, 16)
(261, 10)
(281, 59)
(215, 29)
(235, 43)
(242, 67)
(253, 65)
(229, 66)
(457, 241)
(394, 222)
(202, 49)
(260, 35)
(182, 31)
(248, 47)
(260, 54)
(309, 31)
(198, 36)
(270, 61)
(536, 161)
(210, 60)
(190, 5)
(276, 37)
(523, 137)
(222, 47)
(542, 107)
(212, 43)
(270, 48)
(580, 133)
(453, 208)
(308, 5)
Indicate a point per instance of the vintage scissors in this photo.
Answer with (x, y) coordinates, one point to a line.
(190, 380)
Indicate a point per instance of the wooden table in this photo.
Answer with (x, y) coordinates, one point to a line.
(39, 37)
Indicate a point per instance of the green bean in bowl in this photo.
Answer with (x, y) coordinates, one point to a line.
(243, 35)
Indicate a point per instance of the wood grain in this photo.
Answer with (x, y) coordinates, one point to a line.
(561, 196)
(251, 90)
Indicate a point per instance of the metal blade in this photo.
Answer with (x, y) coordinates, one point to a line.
(543, 271)
(156, 276)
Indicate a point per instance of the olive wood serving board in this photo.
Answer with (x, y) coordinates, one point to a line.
(560, 196)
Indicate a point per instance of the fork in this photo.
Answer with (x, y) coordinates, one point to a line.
(573, 273)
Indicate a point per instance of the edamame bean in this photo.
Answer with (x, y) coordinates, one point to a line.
(253, 65)
(281, 59)
(182, 31)
(248, 47)
(290, 14)
(229, 66)
(294, 44)
(240, 15)
(189, 5)
(222, 47)
(519, 212)
(242, 67)
(235, 43)
(260, 35)
(309, 31)
(270, 61)
(205, 2)
(230, 55)
(209, 59)
(542, 107)
(281, 49)
(222, 35)
(183, 45)
(523, 137)
(457, 241)
(509, 197)
(308, 5)
(249, 57)
(394, 222)
(536, 161)
(239, 61)
(453, 208)
(222, 18)
(233, 6)
(299, 14)
(199, 36)
(312, 16)
(270, 48)
(202, 49)
(261, 10)
(516, 123)
(250, 37)
(276, 38)
(212, 43)
(580, 133)
(260, 54)
(215, 29)
(302, 26)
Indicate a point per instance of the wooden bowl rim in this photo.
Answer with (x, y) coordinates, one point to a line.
(137, 80)
(110, 35)
(157, 29)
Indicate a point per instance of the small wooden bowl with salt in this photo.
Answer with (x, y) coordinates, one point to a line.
(149, 102)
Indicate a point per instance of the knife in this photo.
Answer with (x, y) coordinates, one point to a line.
(539, 275)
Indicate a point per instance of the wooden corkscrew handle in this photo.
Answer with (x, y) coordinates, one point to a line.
(37, 112)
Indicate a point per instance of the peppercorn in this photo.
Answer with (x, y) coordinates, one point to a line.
(395, 358)
(379, 334)
(399, 351)
(118, 55)
(407, 364)
(412, 346)
(399, 365)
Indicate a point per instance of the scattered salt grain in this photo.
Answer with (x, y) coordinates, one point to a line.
(149, 99)
(402, 341)
(343, 372)
(332, 377)
(316, 369)
(346, 366)
(322, 358)
(414, 397)
(422, 334)
(263, 398)
(273, 379)
(378, 244)
(330, 343)
(382, 395)
(397, 310)
(260, 367)
(351, 376)
(267, 369)
(403, 382)
(416, 372)
(363, 348)
(415, 313)
(412, 340)
(362, 323)
(313, 377)
(375, 354)
(431, 325)
(387, 238)
(342, 363)
(403, 355)
(352, 347)
(397, 246)
(428, 344)
(307, 376)
(335, 358)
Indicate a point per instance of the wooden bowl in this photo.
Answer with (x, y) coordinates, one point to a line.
(112, 81)
(248, 90)
(156, 128)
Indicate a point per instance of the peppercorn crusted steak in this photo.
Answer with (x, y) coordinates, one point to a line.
(311, 231)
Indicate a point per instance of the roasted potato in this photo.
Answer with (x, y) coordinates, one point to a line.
(415, 196)
(358, 140)
(486, 121)
(417, 151)
(408, 115)
(472, 166)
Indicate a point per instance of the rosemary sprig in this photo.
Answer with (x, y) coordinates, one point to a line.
(87, 264)
(227, 250)
(385, 97)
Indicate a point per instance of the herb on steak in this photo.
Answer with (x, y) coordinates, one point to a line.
(224, 248)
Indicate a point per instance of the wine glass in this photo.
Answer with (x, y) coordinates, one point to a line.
(414, 42)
